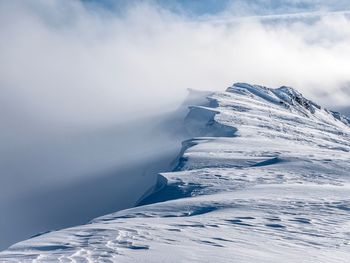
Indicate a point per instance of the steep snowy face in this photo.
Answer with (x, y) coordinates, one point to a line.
(266, 178)
(289, 98)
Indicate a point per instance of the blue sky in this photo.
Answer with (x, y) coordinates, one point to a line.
(196, 8)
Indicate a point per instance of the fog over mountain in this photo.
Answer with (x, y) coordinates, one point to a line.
(87, 88)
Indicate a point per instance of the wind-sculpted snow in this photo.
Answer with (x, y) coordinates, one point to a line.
(268, 180)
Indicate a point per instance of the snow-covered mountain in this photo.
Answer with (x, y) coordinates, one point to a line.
(265, 178)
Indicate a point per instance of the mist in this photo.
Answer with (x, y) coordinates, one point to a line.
(70, 63)
(80, 64)
(84, 88)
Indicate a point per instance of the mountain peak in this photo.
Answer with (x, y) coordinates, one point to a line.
(289, 98)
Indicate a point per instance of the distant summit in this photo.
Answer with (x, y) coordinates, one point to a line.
(289, 98)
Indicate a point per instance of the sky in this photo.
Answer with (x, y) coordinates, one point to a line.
(75, 74)
(197, 8)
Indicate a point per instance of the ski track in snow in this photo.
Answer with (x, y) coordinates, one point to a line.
(266, 179)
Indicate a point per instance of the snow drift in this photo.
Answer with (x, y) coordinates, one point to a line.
(265, 179)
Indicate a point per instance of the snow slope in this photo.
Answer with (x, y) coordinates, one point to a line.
(266, 178)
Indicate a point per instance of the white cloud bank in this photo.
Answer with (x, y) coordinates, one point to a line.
(62, 61)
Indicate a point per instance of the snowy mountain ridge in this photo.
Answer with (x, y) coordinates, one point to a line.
(288, 97)
(265, 178)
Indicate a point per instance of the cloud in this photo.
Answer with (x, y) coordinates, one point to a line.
(66, 62)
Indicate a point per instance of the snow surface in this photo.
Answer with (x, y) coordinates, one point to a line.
(266, 178)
